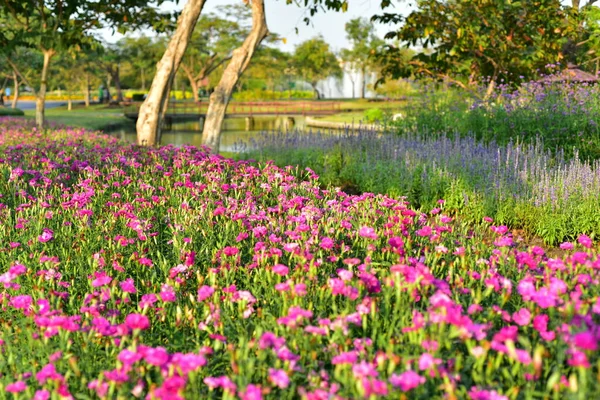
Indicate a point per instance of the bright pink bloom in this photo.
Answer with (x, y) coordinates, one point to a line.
(204, 292)
(407, 380)
(367, 232)
(522, 317)
(137, 321)
(167, 293)
(252, 392)
(586, 341)
(280, 269)
(279, 378)
(46, 236)
(156, 356)
(128, 286)
(585, 241)
(16, 387)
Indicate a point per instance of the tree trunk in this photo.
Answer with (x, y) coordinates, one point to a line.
(116, 76)
(152, 110)
(40, 101)
(211, 135)
(87, 90)
(314, 86)
(16, 90)
(363, 83)
(193, 83)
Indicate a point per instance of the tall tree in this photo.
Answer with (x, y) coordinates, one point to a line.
(470, 40)
(212, 44)
(314, 61)
(152, 111)
(360, 32)
(219, 99)
(53, 26)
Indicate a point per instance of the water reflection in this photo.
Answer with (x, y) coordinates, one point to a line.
(235, 130)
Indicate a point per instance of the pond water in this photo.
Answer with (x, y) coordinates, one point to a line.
(235, 130)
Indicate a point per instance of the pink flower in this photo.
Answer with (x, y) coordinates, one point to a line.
(364, 369)
(16, 387)
(367, 232)
(566, 246)
(279, 378)
(348, 357)
(586, 341)
(476, 394)
(407, 380)
(46, 236)
(146, 261)
(41, 395)
(167, 293)
(128, 286)
(101, 279)
(280, 269)
(48, 372)
(585, 241)
(21, 302)
(137, 321)
(204, 292)
(326, 243)
(252, 392)
(374, 387)
(156, 356)
(426, 361)
(522, 317)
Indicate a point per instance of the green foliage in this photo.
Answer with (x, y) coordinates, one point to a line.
(261, 94)
(5, 111)
(374, 114)
(470, 40)
(360, 32)
(314, 61)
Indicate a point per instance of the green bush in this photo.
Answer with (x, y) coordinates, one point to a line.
(15, 112)
(261, 94)
(374, 115)
(138, 96)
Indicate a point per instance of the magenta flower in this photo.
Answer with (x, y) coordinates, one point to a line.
(326, 243)
(156, 356)
(367, 232)
(204, 292)
(279, 378)
(364, 370)
(41, 395)
(522, 317)
(586, 341)
(21, 302)
(101, 279)
(16, 387)
(252, 392)
(137, 321)
(167, 293)
(146, 262)
(349, 357)
(128, 286)
(407, 380)
(280, 269)
(585, 241)
(477, 394)
(46, 236)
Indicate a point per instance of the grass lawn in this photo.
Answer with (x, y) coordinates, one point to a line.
(94, 117)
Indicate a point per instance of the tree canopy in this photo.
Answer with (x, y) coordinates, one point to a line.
(314, 62)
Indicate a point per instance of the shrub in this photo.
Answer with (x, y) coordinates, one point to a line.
(5, 111)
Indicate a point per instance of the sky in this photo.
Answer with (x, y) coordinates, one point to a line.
(283, 19)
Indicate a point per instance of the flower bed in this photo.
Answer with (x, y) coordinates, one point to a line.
(171, 273)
